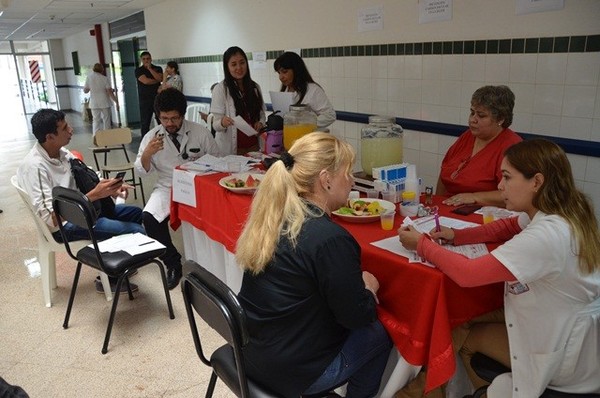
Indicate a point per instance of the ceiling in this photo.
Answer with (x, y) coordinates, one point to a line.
(57, 19)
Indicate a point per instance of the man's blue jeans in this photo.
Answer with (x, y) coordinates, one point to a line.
(128, 220)
(361, 363)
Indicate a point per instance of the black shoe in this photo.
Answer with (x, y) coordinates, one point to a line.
(173, 277)
(113, 286)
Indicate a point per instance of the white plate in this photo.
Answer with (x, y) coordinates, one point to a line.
(366, 219)
(243, 177)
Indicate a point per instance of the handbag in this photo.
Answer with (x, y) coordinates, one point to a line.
(86, 179)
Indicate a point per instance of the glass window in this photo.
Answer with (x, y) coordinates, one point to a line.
(31, 46)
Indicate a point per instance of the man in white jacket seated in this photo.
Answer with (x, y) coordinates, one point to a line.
(174, 142)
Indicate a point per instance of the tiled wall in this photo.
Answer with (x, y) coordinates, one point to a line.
(556, 81)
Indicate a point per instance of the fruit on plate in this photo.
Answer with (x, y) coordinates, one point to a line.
(361, 208)
(235, 182)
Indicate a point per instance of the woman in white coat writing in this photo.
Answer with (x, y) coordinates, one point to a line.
(236, 95)
(550, 264)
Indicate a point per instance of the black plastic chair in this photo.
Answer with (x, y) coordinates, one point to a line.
(487, 369)
(219, 307)
(73, 206)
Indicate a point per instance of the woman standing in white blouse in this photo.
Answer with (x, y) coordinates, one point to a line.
(294, 77)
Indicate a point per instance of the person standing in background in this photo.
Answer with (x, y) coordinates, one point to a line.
(148, 77)
(236, 95)
(171, 77)
(101, 93)
(294, 77)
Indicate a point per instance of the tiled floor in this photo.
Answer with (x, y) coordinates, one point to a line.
(149, 354)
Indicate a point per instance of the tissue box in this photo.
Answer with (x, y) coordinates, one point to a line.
(391, 172)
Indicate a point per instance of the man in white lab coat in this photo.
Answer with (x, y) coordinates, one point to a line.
(174, 142)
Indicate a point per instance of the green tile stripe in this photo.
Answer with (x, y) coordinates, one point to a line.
(530, 45)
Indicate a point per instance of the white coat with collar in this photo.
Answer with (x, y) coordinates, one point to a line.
(553, 322)
(195, 141)
(222, 105)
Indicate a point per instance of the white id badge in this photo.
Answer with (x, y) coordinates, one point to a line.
(517, 288)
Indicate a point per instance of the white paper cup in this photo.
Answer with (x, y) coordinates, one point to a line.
(390, 196)
(372, 193)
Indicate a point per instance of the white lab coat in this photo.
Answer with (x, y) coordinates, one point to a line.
(222, 105)
(192, 137)
(554, 327)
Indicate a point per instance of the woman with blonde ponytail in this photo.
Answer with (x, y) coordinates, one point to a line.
(310, 309)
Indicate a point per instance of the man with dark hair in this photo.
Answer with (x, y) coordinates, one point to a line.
(48, 165)
(148, 77)
(172, 143)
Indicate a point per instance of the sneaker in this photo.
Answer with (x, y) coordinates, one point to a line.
(113, 287)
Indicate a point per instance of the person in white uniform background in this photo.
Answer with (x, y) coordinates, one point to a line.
(174, 142)
(550, 263)
(294, 77)
(101, 93)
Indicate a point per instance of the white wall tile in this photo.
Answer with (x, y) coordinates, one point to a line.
(474, 68)
(523, 68)
(396, 67)
(325, 67)
(394, 91)
(452, 67)
(410, 156)
(593, 191)
(430, 113)
(379, 67)
(592, 172)
(364, 88)
(412, 91)
(351, 87)
(351, 104)
(583, 68)
(522, 122)
(379, 107)
(396, 108)
(450, 114)
(412, 110)
(413, 67)
(431, 92)
(579, 101)
(450, 92)
(597, 107)
(596, 130)
(364, 106)
(548, 99)
(337, 87)
(430, 142)
(524, 97)
(576, 127)
(546, 125)
(432, 67)
(497, 69)
(350, 67)
(379, 89)
(578, 165)
(466, 93)
(364, 67)
(551, 68)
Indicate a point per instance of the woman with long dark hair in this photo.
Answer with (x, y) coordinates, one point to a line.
(296, 78)
(236, 95)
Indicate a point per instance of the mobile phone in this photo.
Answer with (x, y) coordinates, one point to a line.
(120, 175)
(466, 209)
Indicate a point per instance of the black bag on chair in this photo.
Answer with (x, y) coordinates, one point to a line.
(86, 179)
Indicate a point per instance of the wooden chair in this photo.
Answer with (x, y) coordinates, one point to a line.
(114, 140)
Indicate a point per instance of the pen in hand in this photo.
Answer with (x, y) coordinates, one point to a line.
(438, 228)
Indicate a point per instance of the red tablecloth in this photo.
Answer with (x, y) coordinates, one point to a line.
(419, 305)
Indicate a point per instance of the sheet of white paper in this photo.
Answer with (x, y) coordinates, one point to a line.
(183, 187)
(130, 243)
(424, 225)
(210, 162)
(243, 126)
(281, 101)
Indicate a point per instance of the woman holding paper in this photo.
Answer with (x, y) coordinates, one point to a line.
(550, 264)
(294, 77)
(236, 95)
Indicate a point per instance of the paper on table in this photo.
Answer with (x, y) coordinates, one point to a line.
(130, 243)
(183, 188)
(281, 101)
(210, 162)
(424, 225)
(243, 126)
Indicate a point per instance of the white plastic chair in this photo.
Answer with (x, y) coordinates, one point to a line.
(192, 113)
(47, 247)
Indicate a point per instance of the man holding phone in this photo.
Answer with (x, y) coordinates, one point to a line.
(172, 143)
(47, 166)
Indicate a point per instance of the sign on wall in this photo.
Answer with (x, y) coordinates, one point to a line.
(435, 10)
(531, 6)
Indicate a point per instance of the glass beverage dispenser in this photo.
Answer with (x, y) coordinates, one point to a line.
(380, 143)
(299, 121)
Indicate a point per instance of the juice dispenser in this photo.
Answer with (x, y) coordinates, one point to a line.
(380, 143)
(299, 121)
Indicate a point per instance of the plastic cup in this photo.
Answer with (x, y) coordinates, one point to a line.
(372, 193)
(354, 195)
(387, 220)
(489, 214)
(234, 167)
(390, 196)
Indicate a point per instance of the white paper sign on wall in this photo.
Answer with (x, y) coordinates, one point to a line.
(435, 10)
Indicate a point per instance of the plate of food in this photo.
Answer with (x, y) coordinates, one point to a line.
(243, 183)
(363, 210)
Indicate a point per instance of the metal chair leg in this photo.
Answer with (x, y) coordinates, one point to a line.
(113, 312)
(211, 385)
(72, 295)
(166, 289)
